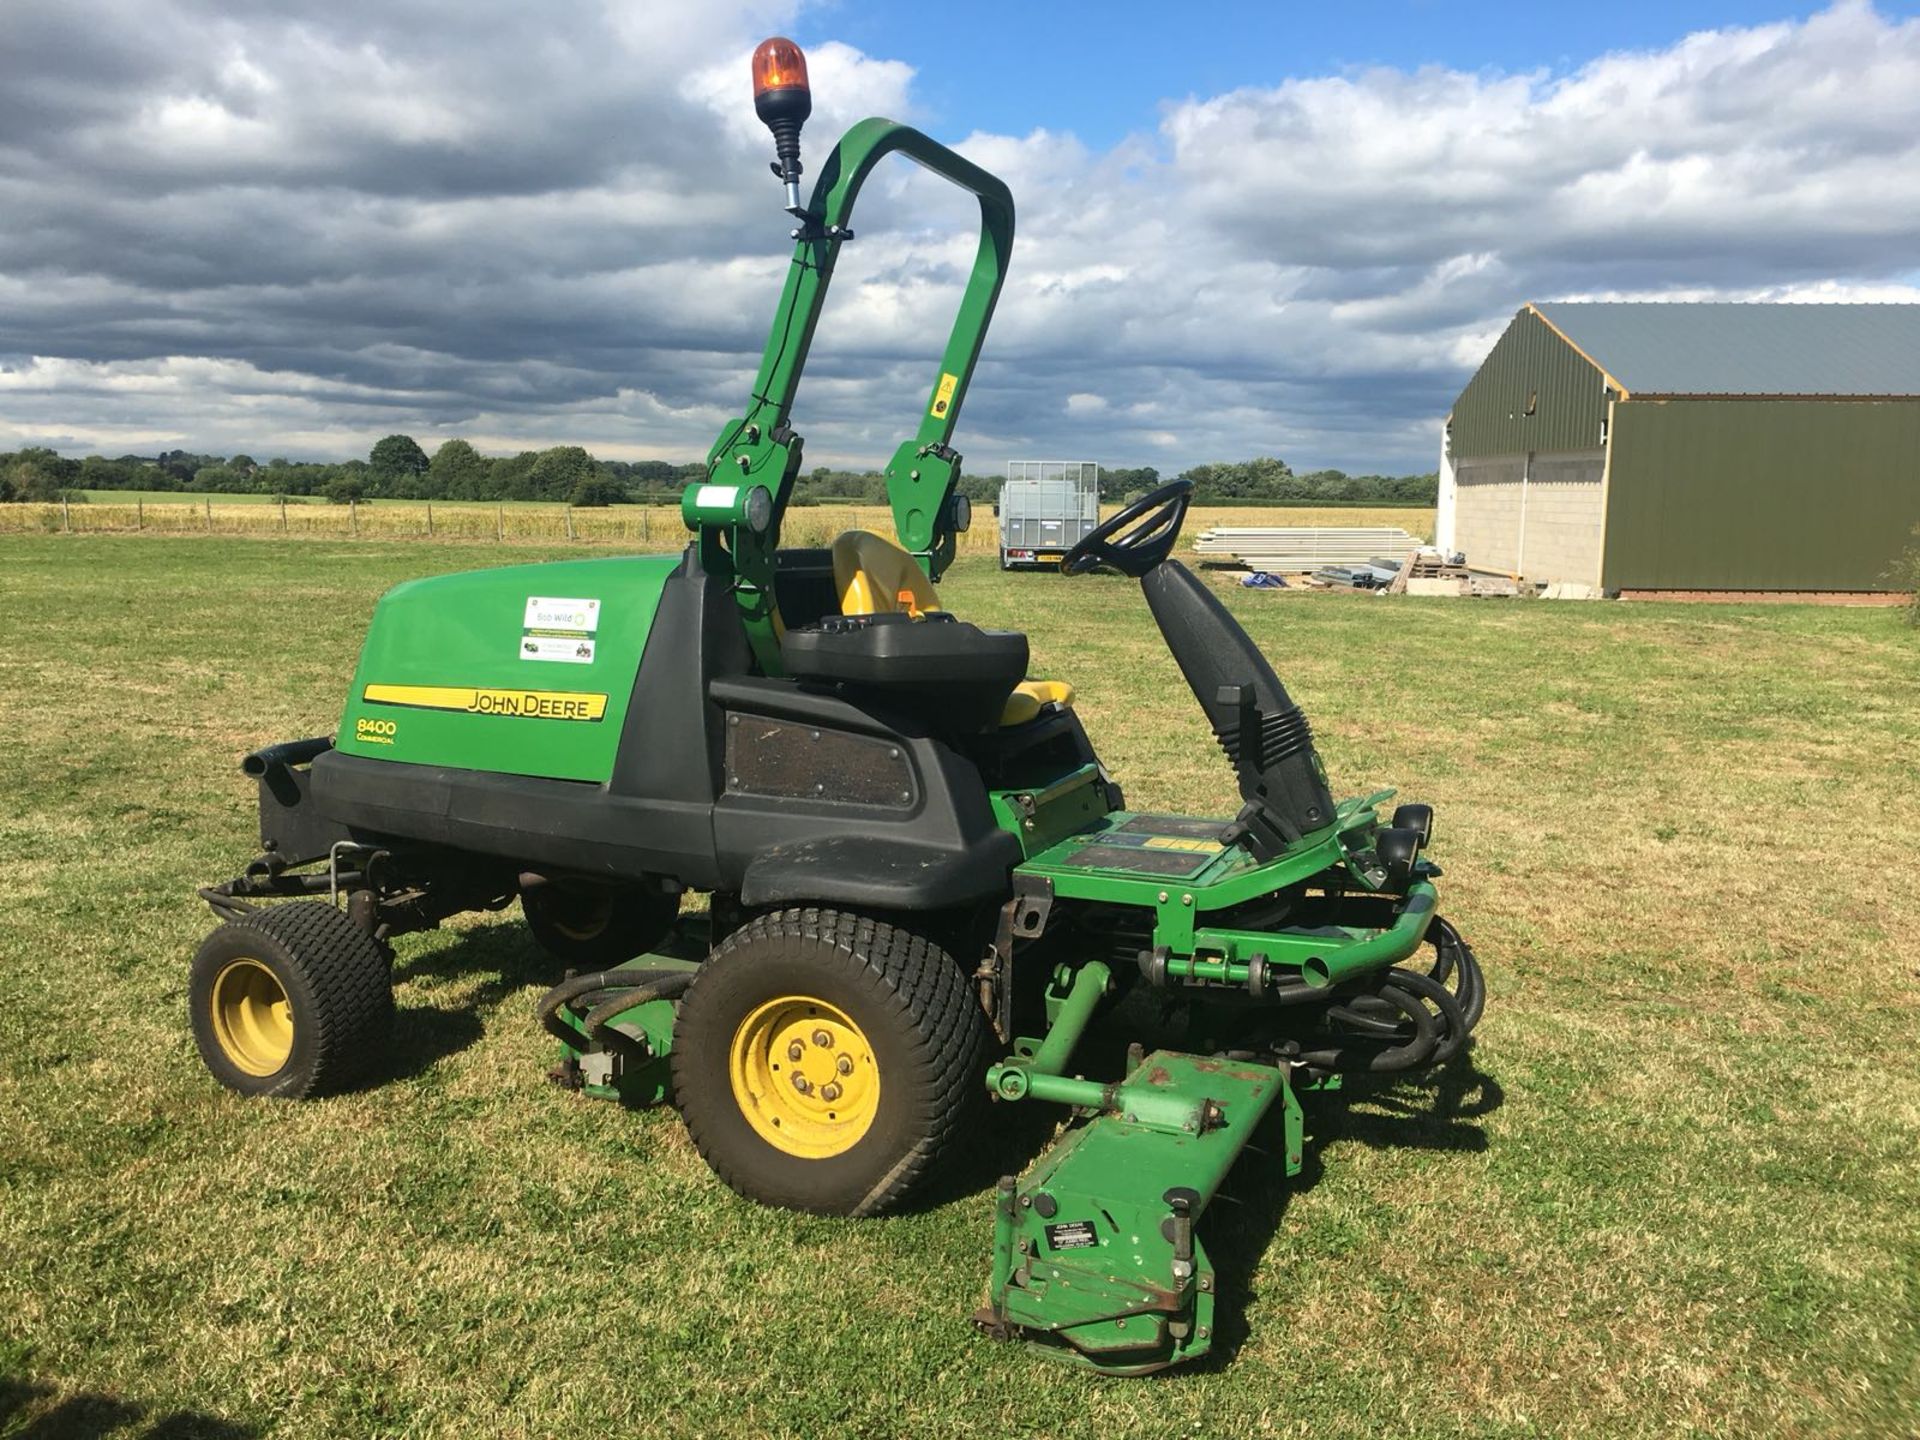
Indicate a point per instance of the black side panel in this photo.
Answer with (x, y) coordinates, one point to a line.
(794, 760)
(670, 744)
(530, 820)
(292, 829)
(1263, 732)
(939, 849)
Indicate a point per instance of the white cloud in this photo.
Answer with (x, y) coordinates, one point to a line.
(236, 229)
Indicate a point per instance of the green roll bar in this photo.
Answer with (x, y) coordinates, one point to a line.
(739, 530)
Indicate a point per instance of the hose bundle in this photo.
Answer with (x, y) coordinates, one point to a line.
(603, 995)
(1404, 1019)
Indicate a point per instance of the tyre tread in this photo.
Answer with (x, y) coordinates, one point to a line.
(921, 982)
(351, 979)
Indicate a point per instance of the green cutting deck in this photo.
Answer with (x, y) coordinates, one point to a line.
(1094, 1252)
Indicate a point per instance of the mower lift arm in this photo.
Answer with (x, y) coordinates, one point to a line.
(739, 532)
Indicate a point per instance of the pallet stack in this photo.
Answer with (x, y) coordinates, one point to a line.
(1428, 573)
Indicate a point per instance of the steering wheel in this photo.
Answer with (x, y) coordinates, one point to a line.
(1138, 538)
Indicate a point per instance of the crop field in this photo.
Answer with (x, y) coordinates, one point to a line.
(638, 527)
(1672, 1189)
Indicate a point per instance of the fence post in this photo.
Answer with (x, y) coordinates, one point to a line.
(499, 522)
(66, 516)
(209, 514)
(569, 522)
(283, 514)
(646, 522)
(353, 516)
(139, 514)
(429, 519)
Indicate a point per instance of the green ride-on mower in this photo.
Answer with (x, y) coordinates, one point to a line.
(924, 887)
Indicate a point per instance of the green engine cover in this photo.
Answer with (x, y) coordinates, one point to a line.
(524, 670)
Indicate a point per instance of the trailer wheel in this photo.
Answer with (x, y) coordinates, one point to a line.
(826, 1061)
(596, 927)
(294, 1000)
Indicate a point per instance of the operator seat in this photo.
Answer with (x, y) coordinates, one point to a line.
(874, 576)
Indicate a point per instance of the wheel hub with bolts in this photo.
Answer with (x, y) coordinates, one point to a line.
(804, 1076)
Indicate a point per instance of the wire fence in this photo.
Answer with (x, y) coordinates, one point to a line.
(634, 527)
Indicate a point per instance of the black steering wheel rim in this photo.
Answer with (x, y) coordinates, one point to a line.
(1138, 538)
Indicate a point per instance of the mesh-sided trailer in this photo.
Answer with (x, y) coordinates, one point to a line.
(1046, 508)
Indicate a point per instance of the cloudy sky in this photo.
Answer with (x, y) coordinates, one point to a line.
(289, 227)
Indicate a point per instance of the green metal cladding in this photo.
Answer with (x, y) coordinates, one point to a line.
(1531, 367)
(1727, 494)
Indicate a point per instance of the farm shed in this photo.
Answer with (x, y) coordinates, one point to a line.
(1653, 447)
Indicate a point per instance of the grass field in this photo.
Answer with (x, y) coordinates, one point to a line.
(1675, 1192)
(528, 522)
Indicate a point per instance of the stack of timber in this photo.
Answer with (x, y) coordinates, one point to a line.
(1293, 550)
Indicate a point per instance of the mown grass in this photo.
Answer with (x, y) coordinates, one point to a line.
(1676, 1192)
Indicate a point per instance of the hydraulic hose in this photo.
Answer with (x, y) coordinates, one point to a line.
(1451, 953)
(1453, 1028)
(581, 986)
(1403, 1019)
(670, 987)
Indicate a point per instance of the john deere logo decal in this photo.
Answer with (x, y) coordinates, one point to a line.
(473, 700)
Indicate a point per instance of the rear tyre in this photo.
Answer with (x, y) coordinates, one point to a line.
(826, 1061)
(592, 927)
(294, 1000)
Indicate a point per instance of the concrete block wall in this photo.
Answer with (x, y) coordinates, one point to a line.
(1563, 515)
(1486, 510)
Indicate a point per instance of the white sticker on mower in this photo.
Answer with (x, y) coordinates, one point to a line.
(722, 495)
(573, 649)
(545, 613)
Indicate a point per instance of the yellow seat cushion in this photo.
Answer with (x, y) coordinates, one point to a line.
(1029, 695)
(874, 576)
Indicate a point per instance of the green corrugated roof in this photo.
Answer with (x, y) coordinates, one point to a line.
(1747, 349)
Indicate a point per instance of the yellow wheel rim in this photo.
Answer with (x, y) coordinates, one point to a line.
(803, 1075)
(252, 1018)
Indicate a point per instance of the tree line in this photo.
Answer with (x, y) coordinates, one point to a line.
(398, 468)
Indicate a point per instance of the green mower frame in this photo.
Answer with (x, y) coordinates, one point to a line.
(926, 892)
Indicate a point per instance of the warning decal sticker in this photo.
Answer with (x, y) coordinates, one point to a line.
(1182, 842)
(943, 394)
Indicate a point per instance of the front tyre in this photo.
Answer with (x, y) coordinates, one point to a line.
(826, 1061)
(294, 1000)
